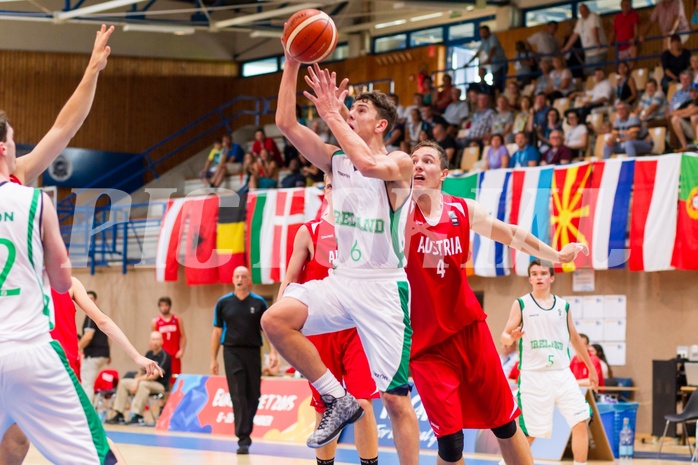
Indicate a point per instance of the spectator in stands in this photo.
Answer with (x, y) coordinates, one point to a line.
(496, 155)
(513, 95)
(538, 118)
(295, 178)
(235, 152)
(558, 153)
(319, 128)
(600, 95)
(625, 32)
(682, 96)
(496, 58)
(685, 118)
(446, 142)
(268, 171)
(413, 127)
(671, 18)
(250, 171)
(575, 57)
(552, 123)
(526, 155)
(543, 81)
(628, 136)
(457, 110)
(590, 30)
(652, 104)
(503, 120)
(417, 103)
(674, 61)
(401, 114)
(560, 82)
(229, 153)
(580, 370)
(428, 97)
(312, 173)
(694, 67)
(471, 97)
(261, 141)
(597, 349)
(524, 64)
(443, 97)
(522, 116)
(480, 123)
(299, 116)
(626, 88)
(212, 162)
(430, 118)
(576, 135)
(290, 152)
(395, 137)
(545, 43)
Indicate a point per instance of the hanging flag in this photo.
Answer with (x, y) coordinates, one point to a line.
(490, 257)
(230, 235)
(201, 262)
(653, 214)
(609, 209)
(273, 218)
(166, 264)
(530, 208)
(686, 248)
(570, 185)
(464, 187)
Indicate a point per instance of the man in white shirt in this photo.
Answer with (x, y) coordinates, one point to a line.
(590, 30)
(457, 110)
(600, 95)
(545, 43)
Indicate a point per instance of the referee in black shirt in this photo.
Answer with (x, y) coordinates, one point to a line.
(236, 321)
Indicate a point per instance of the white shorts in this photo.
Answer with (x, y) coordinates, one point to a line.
(40, 392)
(540, 392)
(377, 303)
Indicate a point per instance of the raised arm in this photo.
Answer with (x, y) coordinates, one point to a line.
(110, 328)
(512, 330)
(304, 139)
(71, 117)
(520, 239)
(56, 258)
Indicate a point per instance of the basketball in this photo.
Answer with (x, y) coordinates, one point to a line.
(310, 36)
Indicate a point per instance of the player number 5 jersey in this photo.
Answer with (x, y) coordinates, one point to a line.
(546, 339)
(26, 311)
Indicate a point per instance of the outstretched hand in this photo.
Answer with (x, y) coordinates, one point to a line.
(571, 250)
(150, 367)
(101, 51)
(328, 97)
(516, 334)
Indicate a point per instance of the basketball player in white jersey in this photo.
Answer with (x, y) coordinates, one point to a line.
(368, 288)
(542, 324)
(28, 167)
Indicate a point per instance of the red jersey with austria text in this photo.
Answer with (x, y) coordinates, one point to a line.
(442, 301)
(325, 250)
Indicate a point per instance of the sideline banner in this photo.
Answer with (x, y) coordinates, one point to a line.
(201, 404)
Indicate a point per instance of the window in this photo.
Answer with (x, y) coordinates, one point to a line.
(257, 67)
(340, 53)
(427, 36)
(602, 7)
(461, 31)
(552, 13)
(388, 43)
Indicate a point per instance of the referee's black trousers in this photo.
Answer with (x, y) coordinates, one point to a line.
(243, 370)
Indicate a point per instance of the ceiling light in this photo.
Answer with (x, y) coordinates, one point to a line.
(425, 17)
(177, 30)
(390, 23)
(99, 7)
(247, 19)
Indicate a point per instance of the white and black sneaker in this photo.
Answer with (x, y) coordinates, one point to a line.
(339, 412)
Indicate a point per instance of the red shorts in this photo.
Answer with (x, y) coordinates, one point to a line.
(344, 355)
(461, 383)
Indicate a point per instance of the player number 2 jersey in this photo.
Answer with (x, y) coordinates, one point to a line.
(26, 311)
(370, 235)
(546, 340)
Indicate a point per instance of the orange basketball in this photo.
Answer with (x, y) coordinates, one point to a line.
(310, 36)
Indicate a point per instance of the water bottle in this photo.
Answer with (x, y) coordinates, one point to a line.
(627, 446)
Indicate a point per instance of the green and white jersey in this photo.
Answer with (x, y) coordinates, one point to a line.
(370, 235)
(26, 311)
(546, 340)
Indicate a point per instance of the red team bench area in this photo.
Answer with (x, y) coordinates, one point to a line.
(201, 404)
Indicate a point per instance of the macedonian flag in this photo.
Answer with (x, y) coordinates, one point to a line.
(570, 215)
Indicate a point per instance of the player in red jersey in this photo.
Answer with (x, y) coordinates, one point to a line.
(454, 362)
(174, 339)
(314, 250)
(65, 330)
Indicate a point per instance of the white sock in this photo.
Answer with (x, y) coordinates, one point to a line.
(502, 462)
(580, 463)
(327, 384)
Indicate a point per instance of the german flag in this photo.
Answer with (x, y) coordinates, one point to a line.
(230, 237)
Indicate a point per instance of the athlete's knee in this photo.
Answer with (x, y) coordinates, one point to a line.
(367, 405)
(397, 404)
(14, 446)
(284, 316)
(506, 431)
(451, 447)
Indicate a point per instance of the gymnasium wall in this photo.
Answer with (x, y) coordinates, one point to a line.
(660, 308)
